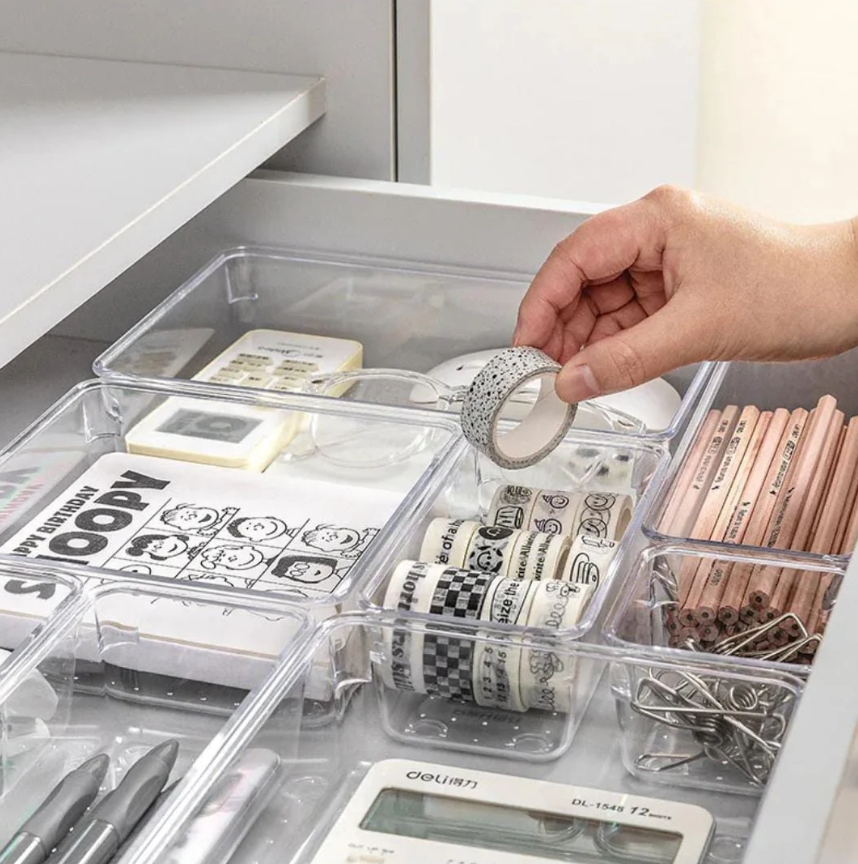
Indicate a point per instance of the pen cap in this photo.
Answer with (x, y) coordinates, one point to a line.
(125, 805)
(67, 802)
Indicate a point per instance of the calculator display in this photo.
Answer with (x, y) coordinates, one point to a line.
(490, 826)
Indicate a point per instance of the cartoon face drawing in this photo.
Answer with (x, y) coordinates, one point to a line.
(231, 558)
(257, 529)
(190, 517)
(159, 547)
(305, 568)
(137, 568)
(329, 538)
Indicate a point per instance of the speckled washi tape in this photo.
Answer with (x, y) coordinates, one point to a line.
(537, 434)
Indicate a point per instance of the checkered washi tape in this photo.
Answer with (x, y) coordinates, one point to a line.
(447, 663)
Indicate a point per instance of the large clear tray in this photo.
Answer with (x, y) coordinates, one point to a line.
(407, 317)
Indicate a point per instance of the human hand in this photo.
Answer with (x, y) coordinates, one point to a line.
(676, 278)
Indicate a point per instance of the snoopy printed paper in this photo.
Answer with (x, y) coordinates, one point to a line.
(179, 520)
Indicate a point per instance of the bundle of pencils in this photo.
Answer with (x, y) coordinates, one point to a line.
(777, 479)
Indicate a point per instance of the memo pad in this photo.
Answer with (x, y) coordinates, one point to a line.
(204, 524)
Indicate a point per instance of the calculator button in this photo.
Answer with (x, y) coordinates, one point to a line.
(221, 379)
(233, 375)
(256, 379)
(254, 358)
(286, 385)
(297, 367)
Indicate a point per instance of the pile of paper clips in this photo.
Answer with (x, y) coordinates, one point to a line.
(730, 722)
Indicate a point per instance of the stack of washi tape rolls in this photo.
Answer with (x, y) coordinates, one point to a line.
(535, 562)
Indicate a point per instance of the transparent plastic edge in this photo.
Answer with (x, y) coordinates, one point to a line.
(607, 589)
(409, 509)
(651, 518)
(635, 574)
(102, 364)
(254, 710)
(249, 718)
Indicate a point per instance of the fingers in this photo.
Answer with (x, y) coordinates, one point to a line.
(598, 250)
(670, 338)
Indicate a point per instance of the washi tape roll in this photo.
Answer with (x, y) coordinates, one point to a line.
(548, 677)
(604, 514)
(532, 439)
(512, 506)
(497, 666)
(410, 590)
(588, 561)
(448, 661)
(538, 557)
(446, 541)
(491, 549)
(555, 512)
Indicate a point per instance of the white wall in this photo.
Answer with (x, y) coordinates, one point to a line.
(779, 106)
(585, 99)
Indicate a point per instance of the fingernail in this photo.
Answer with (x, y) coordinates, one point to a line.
(577, 384)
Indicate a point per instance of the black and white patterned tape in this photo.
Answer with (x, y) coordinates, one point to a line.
(555, 512)
(539, 432)
(410, 590)
(548, 676)
(447, 540)
(604, 515)
(490, 548)
(497, 663)
(448, 661)
(511, 507)
(588, 561)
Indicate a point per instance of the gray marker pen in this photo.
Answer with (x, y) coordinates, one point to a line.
(56, 815)
(97, 838)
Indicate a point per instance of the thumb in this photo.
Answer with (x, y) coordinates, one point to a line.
(658, 344)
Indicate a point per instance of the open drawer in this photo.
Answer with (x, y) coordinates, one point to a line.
(399, 223)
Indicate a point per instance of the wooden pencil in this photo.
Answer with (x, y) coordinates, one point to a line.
(686, 474)
(711, 580)
(696, 491)
(764, 508)
(737, 579)
(823, 543)
(850, 466)
(817, 617)
(702, 479)
(811, 478)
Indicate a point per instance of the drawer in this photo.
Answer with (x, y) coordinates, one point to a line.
(398, 223)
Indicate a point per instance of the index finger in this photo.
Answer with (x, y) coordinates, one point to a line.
(598, 250)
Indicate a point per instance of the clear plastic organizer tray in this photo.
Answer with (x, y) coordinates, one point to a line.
(723, 625)
(611, 480)
(127, 666)
(607, 730)
(136, 478)
(407, 319)
(768, 386)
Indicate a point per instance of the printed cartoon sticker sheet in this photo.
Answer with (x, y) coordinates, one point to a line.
(195, 522)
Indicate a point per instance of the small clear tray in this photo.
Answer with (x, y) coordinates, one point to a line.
(128, 666)
(611, 733)
(408, 318)
(767, 386)
(361, 472)
(585, 461)
(645, 617)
